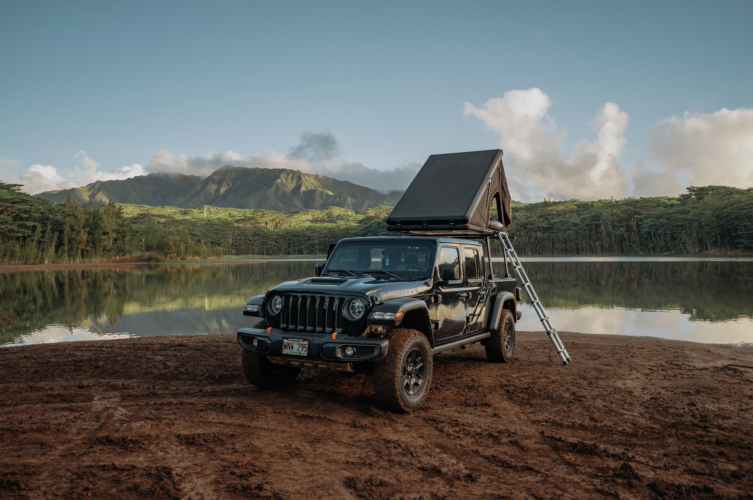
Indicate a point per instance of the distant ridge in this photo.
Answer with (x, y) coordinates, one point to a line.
(230, 187)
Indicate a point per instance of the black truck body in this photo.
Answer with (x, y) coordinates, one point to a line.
(386, 305)
(446, 312)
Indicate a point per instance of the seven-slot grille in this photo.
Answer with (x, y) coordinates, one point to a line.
(312, 313)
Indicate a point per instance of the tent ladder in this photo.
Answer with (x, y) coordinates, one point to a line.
(535, 302)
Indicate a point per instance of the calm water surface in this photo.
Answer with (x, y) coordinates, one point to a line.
(702, 300)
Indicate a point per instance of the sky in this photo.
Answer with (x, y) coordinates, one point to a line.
(588, 100)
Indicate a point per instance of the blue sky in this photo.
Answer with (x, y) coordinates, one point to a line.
(120, 81)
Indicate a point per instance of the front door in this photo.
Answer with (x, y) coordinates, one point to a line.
(450, 312)
(473, 282)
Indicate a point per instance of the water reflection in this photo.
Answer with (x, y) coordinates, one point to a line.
(702, 289)
(701, 300)
(161, 300)
(698, 300)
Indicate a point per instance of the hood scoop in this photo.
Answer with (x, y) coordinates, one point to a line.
(326, 281)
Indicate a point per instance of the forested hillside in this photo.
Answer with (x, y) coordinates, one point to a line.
(252, 232)
(231, 187)
(705, 220)
(34, 230)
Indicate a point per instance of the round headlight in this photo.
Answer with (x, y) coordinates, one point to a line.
(356, 308)
(255, 342)
(349, 351)
(276, 305)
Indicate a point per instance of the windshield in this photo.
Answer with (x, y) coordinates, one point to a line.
(404, 258)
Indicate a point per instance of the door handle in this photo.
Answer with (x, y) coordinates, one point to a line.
(464, 295)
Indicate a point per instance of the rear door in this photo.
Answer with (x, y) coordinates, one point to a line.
(473, 273)
(450, 312)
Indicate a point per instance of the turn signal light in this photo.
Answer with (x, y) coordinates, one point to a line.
(381, 315)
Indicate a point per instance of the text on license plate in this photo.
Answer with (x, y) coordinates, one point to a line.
(296, 347)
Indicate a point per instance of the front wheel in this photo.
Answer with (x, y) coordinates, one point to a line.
(402, 379)
(264, 374)
(500, 347)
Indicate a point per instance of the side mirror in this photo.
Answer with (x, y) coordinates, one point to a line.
(319, 268)
(451, 272)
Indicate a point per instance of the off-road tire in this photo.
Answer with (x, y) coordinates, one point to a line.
(393, 376)
(500, 347)
(263, 373)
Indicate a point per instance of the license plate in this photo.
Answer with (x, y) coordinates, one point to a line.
(295, 347)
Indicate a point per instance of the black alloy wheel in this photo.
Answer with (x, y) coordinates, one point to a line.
(500, 346)
(508, 338)
(413, 372)
(402, 379)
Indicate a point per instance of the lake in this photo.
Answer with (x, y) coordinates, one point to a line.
(700, 300)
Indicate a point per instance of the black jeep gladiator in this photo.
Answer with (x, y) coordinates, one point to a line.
(383, 306)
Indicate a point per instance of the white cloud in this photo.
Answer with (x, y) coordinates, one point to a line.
(40, 178)
(649, 182)
(535, 165)
(317, 153)
(697, 149)
(706, 148)
(89, 173)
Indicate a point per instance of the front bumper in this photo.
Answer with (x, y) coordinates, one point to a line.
(321, 347)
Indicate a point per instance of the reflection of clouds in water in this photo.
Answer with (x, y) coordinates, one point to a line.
(54, 334)
(619, 321)
(188, 321)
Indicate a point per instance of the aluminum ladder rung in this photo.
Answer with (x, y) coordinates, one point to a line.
(533, 297)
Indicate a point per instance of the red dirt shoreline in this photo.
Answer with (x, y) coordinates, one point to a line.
(173, 417)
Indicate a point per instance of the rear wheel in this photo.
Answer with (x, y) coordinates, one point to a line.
(500, 347)
(402, 379)
(263, 373)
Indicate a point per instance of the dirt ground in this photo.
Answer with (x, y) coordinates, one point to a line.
(173, 417)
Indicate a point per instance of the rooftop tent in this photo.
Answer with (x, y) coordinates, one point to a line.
(454, 193)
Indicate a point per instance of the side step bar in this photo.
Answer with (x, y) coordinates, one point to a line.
(460, 343)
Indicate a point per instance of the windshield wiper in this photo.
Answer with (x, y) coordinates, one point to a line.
(375, 271)
(342, 271)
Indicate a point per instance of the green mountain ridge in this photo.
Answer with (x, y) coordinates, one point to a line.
(229, 187)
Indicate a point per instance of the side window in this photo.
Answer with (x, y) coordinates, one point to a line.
(472, 264)
(448, 255)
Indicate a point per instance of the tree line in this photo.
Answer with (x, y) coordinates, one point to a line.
(34, 230)
(712, 219)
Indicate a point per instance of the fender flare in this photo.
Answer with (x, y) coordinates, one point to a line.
(256, 300)
(500, 299)
(395, 306)
(415, 312)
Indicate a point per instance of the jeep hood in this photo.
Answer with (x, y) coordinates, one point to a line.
(378, 287)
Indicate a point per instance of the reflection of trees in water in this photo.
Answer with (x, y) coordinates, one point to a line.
(187, 321)
(706, 290)
(30, 301)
